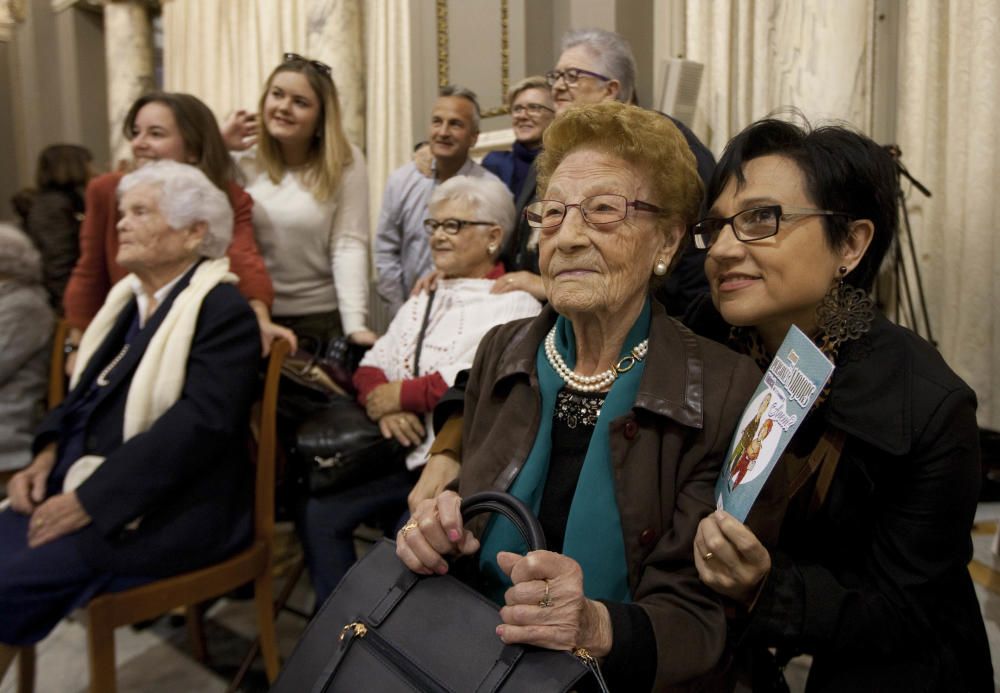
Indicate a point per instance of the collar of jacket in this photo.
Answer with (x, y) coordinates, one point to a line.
(672, 383)
(871, 396)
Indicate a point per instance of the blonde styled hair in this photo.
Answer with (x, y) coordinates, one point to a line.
(532, 82)
(329, 153)
(647, 140)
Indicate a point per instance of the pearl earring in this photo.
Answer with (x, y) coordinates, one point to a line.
(491, 248)
(660, 268)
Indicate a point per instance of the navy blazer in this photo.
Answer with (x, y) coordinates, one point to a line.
(188, 477)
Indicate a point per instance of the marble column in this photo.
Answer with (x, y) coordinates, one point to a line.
(128, 40)
(334, 36)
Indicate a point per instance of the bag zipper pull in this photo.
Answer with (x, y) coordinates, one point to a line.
(355, 629)
(590, 662)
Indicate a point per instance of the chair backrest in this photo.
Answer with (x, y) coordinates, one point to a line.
(267, 444)
(57, 365)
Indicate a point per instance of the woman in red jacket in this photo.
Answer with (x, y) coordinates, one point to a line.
(179, 127)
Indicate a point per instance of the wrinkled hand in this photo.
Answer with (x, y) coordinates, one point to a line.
(435, 530)
(520, 281)
(428, 283)
(570, 621)
(439, 471)
(239, 130)
(404, 426)
(363, 337)
(739, 562)
(26, 489)
(424, 160)
(60, 515)
(384, 400)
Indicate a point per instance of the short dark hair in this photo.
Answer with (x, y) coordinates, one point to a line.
(844, 171)
(63, 166)
(198, 129)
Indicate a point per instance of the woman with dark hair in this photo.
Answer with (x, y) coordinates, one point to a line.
(310, 191)
(856, 550)
(176, 127)
(56, 210)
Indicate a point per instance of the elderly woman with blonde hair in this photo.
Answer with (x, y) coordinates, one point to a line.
(24, 345)
(605, 416)
(141, 471)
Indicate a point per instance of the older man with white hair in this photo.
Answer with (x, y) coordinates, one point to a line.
(141, 472)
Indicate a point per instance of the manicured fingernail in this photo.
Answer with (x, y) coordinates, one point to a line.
(441, 569)
(499, 631)
(454, 535)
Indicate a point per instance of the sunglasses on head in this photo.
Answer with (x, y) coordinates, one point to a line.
(322, 68)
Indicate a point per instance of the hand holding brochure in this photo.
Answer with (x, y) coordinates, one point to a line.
(790, 386)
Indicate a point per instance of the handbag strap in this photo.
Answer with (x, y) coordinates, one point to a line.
(513, 509)
(420, 335)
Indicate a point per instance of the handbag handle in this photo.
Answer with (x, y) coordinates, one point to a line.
(513, 509)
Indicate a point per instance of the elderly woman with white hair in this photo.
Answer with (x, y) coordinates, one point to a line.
(469, 218)
(141, 472)
(24, 345)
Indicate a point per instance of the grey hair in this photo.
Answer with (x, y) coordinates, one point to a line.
(612, 51)
(463, 93)
(19, 258)
(532, 82)
(187, 197)
(490, 199)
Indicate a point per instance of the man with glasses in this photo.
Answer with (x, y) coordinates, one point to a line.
(594, 66)
(531, 111)
(402, 254)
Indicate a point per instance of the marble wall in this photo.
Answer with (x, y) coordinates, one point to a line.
(334, 33)
(129, 47)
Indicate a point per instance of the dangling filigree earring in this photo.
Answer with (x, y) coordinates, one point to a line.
(660, 268)
(845, 313)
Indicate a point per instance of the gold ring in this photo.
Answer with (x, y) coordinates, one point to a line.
(510, 280)
(412, 524)
(546, 601)
(708, 556)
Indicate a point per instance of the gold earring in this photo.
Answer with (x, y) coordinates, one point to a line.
(845, 313)
(660, 268)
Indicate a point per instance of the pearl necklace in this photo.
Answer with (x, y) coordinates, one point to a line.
(592, 383)
(102, 377)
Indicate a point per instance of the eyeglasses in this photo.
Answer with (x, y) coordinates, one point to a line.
(530, 108)
(571, 76)
(596, 210)
(452, 226)
(753, 224)
(322, 68)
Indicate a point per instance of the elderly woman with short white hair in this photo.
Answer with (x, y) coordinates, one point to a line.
(141, 472)
(24, 345)
(468, 220)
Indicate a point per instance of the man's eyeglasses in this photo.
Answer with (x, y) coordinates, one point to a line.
(571, 76)
(322, 68)
(596, 210)
(451, 226)
(531, 109)
(753, 224)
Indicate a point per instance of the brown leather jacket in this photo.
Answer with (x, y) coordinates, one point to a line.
(666, 454)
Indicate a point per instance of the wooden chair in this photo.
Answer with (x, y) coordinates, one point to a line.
(107, 612)
(57, 365)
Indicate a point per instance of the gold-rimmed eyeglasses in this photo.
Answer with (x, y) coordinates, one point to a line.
(597, 210)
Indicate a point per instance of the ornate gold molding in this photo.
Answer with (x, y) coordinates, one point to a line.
(443, 56)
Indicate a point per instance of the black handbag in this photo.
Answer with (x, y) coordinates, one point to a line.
(341, 447)
(388, 629)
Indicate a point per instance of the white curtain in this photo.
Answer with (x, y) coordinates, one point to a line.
(949, 130)
(763, 55)
(222, 50)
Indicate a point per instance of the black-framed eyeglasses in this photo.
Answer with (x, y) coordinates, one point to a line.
(571, 75)
(322, 68)
(531, 109)
(753, 224)
(597, 210)
(452, 226)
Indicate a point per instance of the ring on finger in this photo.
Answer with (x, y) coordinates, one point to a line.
(708, 555)
(408, 527)
(546, 600)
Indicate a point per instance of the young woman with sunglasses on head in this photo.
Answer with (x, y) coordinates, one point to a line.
(310, 192)
(176, 127)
